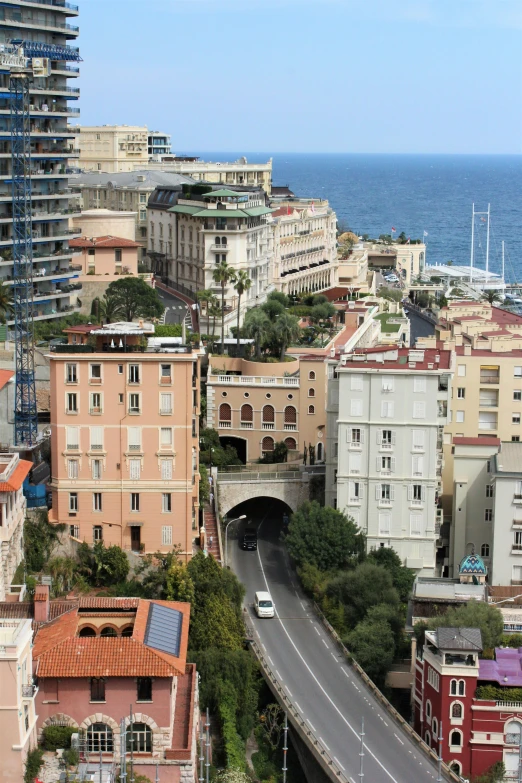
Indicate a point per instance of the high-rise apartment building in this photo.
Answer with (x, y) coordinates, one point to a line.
(124, 438)
(13, 472)
(386, 409)
(158, 143)
(52, 146)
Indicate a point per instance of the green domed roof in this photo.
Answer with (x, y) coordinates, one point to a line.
(472, 564)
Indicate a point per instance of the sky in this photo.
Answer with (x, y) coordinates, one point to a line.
(368, 76)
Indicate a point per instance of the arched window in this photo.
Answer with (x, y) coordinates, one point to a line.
(223, 241)
(456, 738)
(427, 738)
(269, 415)
(217, 240)
(462, 687)
(512, 731)
(108, 632)
(140, 735)
(86, 632)
(290, 444)
(311, 392)
(453, 687)
(311, 409)
(99, 737)
(267, 445)
(320, 452)
(290, 415)
(456, 710)
(311, 375)
(455, 766)
(225, 415)
(127, 631)
(484, 550)
(428, 709)
(435, 727)
(247, 415)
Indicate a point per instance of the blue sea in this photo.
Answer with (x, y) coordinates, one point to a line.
(415, 193)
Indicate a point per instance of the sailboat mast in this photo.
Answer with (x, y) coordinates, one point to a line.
(472, 241)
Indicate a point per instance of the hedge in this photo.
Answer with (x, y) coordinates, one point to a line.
(54, 737)
(494, 693)
(234, 746)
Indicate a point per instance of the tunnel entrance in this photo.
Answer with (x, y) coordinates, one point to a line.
(239, 444)
(268, 516)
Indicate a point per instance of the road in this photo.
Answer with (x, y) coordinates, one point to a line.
(323, 688)
(176, 308)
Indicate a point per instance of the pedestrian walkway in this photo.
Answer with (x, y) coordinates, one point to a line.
(212, 531)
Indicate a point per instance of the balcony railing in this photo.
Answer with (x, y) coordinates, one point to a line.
(487, 425)
(290, 427)
(226, 424)
(254, 380)
(267, 425)
(28, 691)
(491, 378)
(248, 425)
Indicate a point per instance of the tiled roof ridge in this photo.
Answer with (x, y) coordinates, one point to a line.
(49, 624)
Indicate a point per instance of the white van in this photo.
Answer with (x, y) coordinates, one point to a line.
(264, 605)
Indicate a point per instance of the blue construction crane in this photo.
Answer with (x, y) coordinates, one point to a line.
(23, 60)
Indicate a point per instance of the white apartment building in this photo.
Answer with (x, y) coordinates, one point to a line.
(386, 409)
(487, 506)
(305, 246)
(192, 232)
(13, 472)
(238, 173)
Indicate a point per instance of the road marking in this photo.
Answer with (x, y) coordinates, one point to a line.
(334, 705)
(346, 673)
(318, 632)
(324, 743)
(297, 705)
(262, 645)
(334, 656)
(325, 642)
(289, 691)
(311, 724)
(296, 593)
(402, 743)
(271, 661)
(339, 763)
(279, 676)
(303, 605)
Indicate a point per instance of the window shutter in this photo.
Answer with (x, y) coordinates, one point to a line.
(356, 382)
(356, 407)
(134, 437)
(377, 492)
(72, 468)
(410, 492)
(73, 437)
(166, 535)
(393, 437)
(166, 469)
(362, 436)
(378, 464)
(392, 492)
(361, 490)
(423, 494)
(419, 410)
(393, 463)
(135, 469)
(96, 437)
(379, 436)
(166, 403)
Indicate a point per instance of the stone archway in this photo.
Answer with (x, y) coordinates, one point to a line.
(100, 717)
(161, 738)
(58, 719)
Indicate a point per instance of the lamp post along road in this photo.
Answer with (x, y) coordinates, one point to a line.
(243, 516)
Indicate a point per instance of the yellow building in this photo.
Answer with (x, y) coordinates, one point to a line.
(113, 148)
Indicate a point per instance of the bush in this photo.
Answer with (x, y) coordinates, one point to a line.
(496, 693)
(33, 763)
(54, 737)
(234, 746)
(168, 330)
(71, 757)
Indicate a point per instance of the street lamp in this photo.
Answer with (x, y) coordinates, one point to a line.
(243, 516)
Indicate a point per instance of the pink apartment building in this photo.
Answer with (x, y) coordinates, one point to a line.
(124, 438)
(107, 255)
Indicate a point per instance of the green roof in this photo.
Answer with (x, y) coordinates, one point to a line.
(386, 326)
(224, 193)
(229, 213)
(257, 211)
(184, 209)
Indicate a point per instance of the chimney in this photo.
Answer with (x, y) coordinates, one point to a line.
(41, 603)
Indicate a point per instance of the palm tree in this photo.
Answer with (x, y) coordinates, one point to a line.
(491, 296)
(286, 329)
(207, 298)
(242, 284)
(223, 274)
(257, 326)
(6, 304)
(215, 312)
(109, 309)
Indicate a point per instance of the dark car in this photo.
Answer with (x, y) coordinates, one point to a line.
(249, 538)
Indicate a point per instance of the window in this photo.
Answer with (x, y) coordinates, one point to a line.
(417, 440)
(513, 731)
(428, 709)
(484, 550)
(117, 256)
(356, 382)
(417, 493)
(456, 739)
(144, 689)
(517, 372)
(134, 469)
(488, 515)
(517, 396)
(134, 373)
(355, 463)
(268, 417)
(225, 415)
(139, 738)
(165, 404)
(489, 490)
(433, 678)
(419, 410)
(459, 417)
(134, 437)
(72, 468)
(95, 373)
(461, 393)
(96, 435)
(71, 373)
(135, 501)
(416, 524)
(387, 410)
(356, 407)
(385, 438)
(166, 373)
(384, 524)
(97, 501)
(291, 444)
(457, 688)
(515, 439)
(456, 710)
(385, 493)
(311, 375)
(120, 369)
(356, 437)
(461, 370)
(387, 383)
(247, 416)
(166, 535)
(311, 392)
(96, 467)
(120, 398)
(290, 416)
(515, 418)
(166, 437)
(99, 735)
(166, 502)
(73, 502)
(96, 403)
(357, 490)
(134, 403)
(267, 444)
(385, 464)
(97, 533)
(311, 409)
(166, 469)
(72, 402)
(72, 438)
(435, 727)
(419, 385)
(417, 466)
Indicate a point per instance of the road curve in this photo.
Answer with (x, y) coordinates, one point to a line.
(322, 687)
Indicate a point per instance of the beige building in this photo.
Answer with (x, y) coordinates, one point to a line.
(407, 260)
(240, 172)
(107, 255)
(353, 271)
(112, 148)
(13, 472)
(107, 222)
(305, 246)
(17, 698)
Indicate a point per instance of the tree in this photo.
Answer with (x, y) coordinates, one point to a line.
(242, 284)
(474, 615)
(223, 274)
(279, 296)
(62, 570)
(273, 308)
(324, 537)
(108, 308)
(134, 298)
(101, 565)
(495, 774)
(322, 313)
(488, 296)
(362, 588)
(392, 294)
(373, 647)
(207, 298)
(286, 330)
(272, 721)
(402, 577)
(6, 304)
(179, 586)
(257, 327)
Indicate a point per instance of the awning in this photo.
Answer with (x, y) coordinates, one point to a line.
(135, 524)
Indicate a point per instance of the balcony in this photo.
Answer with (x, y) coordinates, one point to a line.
(246, 425)
(290, 427)
(268, 425)
(29, 691)
(490, 378)
(253, 380)
(225, 424)
(516, 549)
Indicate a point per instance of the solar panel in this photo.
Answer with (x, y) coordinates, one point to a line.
(163, 631)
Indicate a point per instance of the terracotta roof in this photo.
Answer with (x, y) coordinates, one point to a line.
(140, 625)
(481, 441)
(81, 328)
(459, 350)
(282, 212)
(101, 602)
(102, 657)
(106, 241)
(10, 610)
(55, 632)
(17, 477)
(5, 376)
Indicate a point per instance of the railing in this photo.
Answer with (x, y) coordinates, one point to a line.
(259, 476)
(267, 425)
(226, 424)
(290, 427)
(487, 425)
(248, 425)
(253, 380)
(488, 403)
(489, 379)
(28, 691)
(516, 548)
(57, 4)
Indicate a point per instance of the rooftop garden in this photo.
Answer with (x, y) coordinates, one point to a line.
(387, 324)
